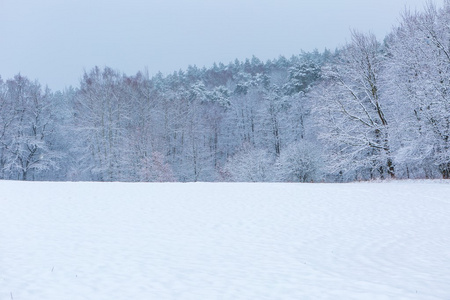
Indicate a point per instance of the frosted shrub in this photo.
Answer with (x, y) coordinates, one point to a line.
(300, 162)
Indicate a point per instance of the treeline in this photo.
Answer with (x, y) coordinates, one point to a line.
(370, 110)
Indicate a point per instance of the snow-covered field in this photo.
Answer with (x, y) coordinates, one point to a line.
(106, 241)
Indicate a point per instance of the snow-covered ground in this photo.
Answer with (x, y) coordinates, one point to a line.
(106, 241)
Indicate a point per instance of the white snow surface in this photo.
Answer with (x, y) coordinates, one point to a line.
(108, 241)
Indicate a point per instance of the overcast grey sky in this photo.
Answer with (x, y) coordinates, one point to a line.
(55, 40)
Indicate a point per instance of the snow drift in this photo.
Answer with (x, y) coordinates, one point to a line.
(224, 241)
